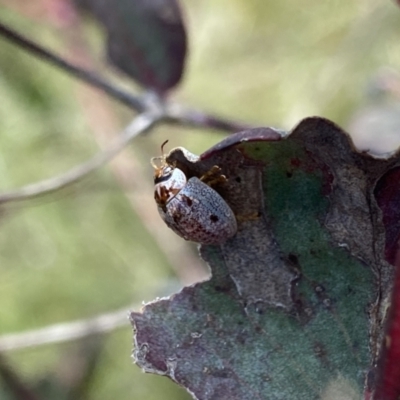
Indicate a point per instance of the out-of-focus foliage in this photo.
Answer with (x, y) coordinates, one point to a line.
(85, 251)
(145, 39)
(76, 254)
(277, 62)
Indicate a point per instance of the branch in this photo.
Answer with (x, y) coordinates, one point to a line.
(66, 331)
(174, 113)
(78, 72)
(139, 125)
(177, 114)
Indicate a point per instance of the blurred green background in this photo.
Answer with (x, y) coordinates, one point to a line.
(90, 249)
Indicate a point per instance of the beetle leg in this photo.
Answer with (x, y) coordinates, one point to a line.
(213, 176)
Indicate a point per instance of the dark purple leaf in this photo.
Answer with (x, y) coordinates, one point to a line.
(146, 39)
(387, 193)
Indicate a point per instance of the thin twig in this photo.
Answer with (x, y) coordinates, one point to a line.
(177, 114)
(66, 331)
(139, 125)
(174, 113)
(78, 72)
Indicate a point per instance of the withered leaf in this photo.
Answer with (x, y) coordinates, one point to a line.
(297, 303)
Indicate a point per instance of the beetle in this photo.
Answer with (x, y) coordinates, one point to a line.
(190, 206)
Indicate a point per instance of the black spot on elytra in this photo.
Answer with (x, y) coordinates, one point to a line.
(189, 201)
(238, 179)
(289, 174)
(214, 218)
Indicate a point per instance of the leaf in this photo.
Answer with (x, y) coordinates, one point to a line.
(387, 193)
(146, 39)
(297, 301)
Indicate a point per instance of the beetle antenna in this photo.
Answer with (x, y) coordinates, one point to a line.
(160, 158)
(162, 147)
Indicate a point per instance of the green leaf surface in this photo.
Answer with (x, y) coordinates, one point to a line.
(298, 297)
(146, 39)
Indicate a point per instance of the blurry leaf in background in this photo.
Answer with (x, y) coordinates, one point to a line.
(146, 39)
(375, 127)
(297, 302)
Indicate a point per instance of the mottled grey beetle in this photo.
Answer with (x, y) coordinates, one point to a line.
(190, 207)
